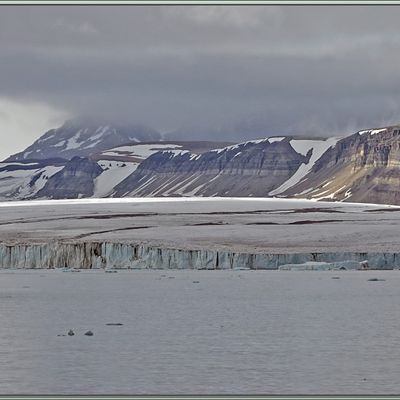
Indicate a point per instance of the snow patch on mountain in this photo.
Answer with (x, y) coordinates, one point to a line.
(141, 151)
(114, 173)
(323, 196)
(176, 153)
(74, 142)
(100, 131)
(24, 183)
(318, 147)
(372, 131)
(257, 141)
(276, 139)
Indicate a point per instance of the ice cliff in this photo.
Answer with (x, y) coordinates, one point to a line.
(107, 255)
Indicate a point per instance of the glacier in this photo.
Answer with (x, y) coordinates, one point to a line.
(111, 255)
(197, 233)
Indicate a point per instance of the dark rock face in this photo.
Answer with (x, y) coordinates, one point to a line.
(82, 137)
(364, 167)
(247, 169)
(75, 180)
(366, 150)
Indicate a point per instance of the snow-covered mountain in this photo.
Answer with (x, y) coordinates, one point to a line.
(252, 168)
(363, 167)
(93, 176)
(120, 162)
(22, 180)
(83, 137)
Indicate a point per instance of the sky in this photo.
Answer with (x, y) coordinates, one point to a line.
(221, 72)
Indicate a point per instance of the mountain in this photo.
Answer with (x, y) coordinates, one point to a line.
(22, 180)
(251, 168)
(99, 175)
(364, 167)
(25, 179)
(180, 168)
(83, 137)
(75, 180)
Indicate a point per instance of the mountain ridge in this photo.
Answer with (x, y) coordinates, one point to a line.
(362, 167)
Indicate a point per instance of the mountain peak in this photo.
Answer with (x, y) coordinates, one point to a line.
(83, 136)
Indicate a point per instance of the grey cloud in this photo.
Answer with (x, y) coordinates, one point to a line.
(237, 71)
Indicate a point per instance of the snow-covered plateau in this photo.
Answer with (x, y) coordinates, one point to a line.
(197, 233)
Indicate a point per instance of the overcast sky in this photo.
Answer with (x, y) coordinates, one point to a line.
(249, 71)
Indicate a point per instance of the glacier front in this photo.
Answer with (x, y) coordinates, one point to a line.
(94, 255)
(198, 233)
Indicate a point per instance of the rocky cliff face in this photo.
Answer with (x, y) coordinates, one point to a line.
(75, 180)
(82, 137)
(247, 169)
(365, 149)
(364, 167)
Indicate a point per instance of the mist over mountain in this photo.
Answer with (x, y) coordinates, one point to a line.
(231, 73)
(83, 136)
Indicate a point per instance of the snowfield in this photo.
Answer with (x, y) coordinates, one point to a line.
(252, 225)
(114, 173)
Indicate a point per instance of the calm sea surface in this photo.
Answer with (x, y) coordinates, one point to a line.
(232, 332)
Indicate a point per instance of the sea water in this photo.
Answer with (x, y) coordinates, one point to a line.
(199, 332)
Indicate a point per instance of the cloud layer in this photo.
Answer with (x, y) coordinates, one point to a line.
(242, 71)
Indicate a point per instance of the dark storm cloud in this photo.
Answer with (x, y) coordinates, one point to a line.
(250, 70)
